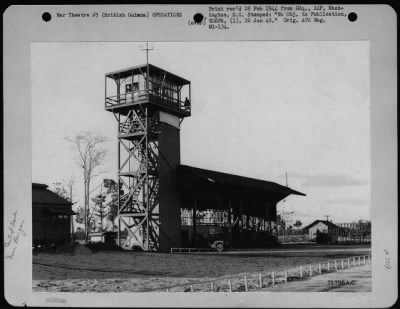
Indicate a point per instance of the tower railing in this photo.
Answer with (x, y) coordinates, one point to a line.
(144, 96)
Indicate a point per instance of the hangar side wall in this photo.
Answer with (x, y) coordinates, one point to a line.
(169, 197)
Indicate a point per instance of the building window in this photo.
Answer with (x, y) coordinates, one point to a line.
(156, 89)
(129, 88)
(62, 217)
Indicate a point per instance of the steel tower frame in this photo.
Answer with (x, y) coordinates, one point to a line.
(138, 174)
(139, 129)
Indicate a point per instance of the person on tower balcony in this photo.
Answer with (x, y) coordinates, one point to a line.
(187, 103)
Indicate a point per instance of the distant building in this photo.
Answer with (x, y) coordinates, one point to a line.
(51, 216)
(321, 226)
(103, 237)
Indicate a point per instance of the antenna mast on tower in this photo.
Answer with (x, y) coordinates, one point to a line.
(147, 49)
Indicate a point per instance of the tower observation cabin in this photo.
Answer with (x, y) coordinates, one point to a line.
(162, 91)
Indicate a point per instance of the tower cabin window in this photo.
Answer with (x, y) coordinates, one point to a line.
(129, 88)
(132, 85)
(160, 85)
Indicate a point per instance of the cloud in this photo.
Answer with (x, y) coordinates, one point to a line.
(331, 180)
(348, 201)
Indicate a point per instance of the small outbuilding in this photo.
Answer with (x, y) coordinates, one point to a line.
(322, 227)
(103, 237)
(51, 216)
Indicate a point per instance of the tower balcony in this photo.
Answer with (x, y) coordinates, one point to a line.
(124, 102)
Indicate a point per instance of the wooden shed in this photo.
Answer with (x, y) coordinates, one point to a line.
(51, 216)
(322, 227)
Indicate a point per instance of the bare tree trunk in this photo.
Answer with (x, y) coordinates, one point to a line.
(101, 216)
(90, 157)
(85, 212)
(87, 187)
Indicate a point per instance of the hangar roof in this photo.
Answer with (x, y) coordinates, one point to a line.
(192, 179)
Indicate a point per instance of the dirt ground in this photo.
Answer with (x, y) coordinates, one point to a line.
(357, 279)
(142, 271)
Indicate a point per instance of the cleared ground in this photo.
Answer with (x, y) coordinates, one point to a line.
(356, 279)
(142, 271)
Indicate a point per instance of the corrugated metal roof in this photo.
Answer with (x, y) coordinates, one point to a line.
(190, 176)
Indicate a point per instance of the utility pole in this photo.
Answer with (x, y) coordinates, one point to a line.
(69, 184)
(327, 217)
(72, 217)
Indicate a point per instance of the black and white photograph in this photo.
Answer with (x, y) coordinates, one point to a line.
(211, 168)
(198, 170)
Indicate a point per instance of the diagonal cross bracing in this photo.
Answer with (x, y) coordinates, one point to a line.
(138, 174)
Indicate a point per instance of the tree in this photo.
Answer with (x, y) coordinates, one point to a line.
(80, 215)
(113, 207)
(281, 224)
(100, 208)
(91, 155)
(280, 221)
(284, 219)
(63, 189)
(298, 223)
(59, 189)
(105, 207)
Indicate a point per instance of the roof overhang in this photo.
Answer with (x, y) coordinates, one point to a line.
(216, 188)
(189, 177)
(139, 69)
(60, 211)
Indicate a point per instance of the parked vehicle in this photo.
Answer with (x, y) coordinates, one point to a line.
(218, 245)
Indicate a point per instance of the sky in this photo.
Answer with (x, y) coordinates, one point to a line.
(259, 109)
